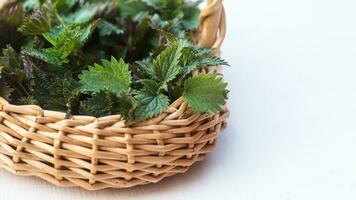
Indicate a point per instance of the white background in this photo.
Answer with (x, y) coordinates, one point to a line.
(292, 132)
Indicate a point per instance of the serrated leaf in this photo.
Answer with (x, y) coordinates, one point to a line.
(100, 104)
(65, 40)
(64, 5)
(130, 8)
(50, 55)
(152, 86)
(126, 107)
(11, 63)
(54, 92)
(113, 76)
(150, 105)
(5, 90)
(40, 21)
(86, 31)
(194, 57)
(166, 64)
(84, 14)
(205, 93)
(30, 5)
(10, 59)
(107, 28)
(191, 12)
(30, 100)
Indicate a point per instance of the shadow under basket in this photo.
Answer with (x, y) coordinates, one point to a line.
(97, 153)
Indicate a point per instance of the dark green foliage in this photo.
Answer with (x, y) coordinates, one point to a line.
(40, 21)
(100, 104)
(11, 17)
(65, 39)
(5, 90)
(91, 57)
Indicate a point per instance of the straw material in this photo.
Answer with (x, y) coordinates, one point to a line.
(97, 153)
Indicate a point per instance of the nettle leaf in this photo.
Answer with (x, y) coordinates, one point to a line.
(30, 5)
(127, 106)
(40, 21)
(75, 35)
(54, 92)
(84, 14)
(11, 63)
(5, 90)
(106, 28)
(113, 76)
(64, 5)
(86, 31)
(150, 105)
(195, 57)
(50, 55)
(65, 40)
(166, 64)
(100, 104)
(191, 12)
(153, 86)
(10, 59)
(30, 100)
(131, 8)
(58, 35)
(205, 93)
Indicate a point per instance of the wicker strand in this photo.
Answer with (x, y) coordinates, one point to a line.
(97, 153)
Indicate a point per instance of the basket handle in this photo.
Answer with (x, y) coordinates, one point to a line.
(212, 25)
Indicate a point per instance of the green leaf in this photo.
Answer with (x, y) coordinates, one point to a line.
(54, 92)
(166, 64)
(30, 100)
(153, 86)
(11, 64)
(191, 11)
(5, 90)
(50, 55)
(86, 31)
(112, 76)
(126, 107)
(107, 28)
(10, 60)
(64, 5)
(84, 14)
(40, 21)
(194, 57)
(65, 40)
(131, 7)
(70, 35)
(150, 105)
(205, 93)
(100, 104)
(31, 5)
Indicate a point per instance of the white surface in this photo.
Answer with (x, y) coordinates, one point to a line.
(292, 132)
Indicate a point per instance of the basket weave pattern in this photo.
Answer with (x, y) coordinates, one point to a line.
(97, 153)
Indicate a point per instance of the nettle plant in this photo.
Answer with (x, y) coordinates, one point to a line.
(101, 58)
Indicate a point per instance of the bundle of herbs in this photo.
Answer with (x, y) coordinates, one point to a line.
(99, 58)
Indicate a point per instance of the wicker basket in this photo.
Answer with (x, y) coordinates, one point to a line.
(97, 153)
